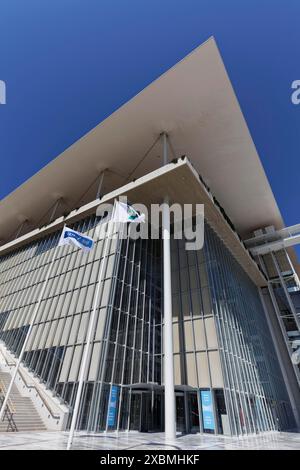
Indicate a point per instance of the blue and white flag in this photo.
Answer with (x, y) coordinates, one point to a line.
(71, 237)
(124, 213)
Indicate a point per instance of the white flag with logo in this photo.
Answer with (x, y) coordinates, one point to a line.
(125, 213)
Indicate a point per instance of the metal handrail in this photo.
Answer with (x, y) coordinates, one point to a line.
(10, 404)
(54, 416)
(9, 409)
(28, 386)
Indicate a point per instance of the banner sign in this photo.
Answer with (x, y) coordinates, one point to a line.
(71, 237)
(112, 407)
(207, 410)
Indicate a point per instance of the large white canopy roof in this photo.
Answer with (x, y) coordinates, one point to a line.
(195, 104)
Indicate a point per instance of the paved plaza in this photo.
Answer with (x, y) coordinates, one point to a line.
(147, 441)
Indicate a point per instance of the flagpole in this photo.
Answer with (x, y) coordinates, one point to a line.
(89, 336)
(32, 320)
(170, 403)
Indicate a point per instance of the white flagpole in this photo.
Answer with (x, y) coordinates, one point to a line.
(32, 320)
(89, 336)
(170, 404)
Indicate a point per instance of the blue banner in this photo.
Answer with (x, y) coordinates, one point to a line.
(207, 410)
(71, 237)
(81, 239)
(112, 407)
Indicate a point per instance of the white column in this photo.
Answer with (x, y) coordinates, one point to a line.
(20, 229)
(165, 148)
(170, 416)
(100, 184)
(54, 210)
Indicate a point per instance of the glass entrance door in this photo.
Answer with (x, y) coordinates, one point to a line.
(146, 411)
(157, 412)
(180, 413)
(193, 412)
(135, 411)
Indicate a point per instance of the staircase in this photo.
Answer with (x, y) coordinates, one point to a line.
(26, 418)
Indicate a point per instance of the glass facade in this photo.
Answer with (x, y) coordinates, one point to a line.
(254, 387)
(226, 372)
(222, 341)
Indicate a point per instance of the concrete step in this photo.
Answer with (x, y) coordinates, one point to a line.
(22, 427)
(26, 417)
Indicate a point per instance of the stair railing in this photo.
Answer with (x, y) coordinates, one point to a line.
(9, 410)
(38, 393)
(32, 386)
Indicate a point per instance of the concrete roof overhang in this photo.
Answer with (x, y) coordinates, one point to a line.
(195, 104)
(182, 184)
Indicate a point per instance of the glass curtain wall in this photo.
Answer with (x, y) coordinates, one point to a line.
(126, 345)
(133, 341)
(222, 341)
(223, 350)
(55, 348)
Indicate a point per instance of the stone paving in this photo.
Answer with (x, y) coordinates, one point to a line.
(146, 441)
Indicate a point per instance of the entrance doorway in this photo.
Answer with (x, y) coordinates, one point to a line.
(146, 411)
(135, 411)
(193, 408)
(180, 413)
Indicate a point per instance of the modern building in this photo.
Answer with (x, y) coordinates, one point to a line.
(183, 138)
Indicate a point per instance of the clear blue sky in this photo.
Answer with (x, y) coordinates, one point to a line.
(69, 63)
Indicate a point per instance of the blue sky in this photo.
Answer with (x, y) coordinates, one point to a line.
(69, 63)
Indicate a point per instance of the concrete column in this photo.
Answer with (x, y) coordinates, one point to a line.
(100, 184)
(165, 148)
(52, 216)
(20, 229)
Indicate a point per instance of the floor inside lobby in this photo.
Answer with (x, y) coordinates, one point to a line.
(147, 441)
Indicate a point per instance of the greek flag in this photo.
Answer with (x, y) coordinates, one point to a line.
(126, 213)
(71, 237)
